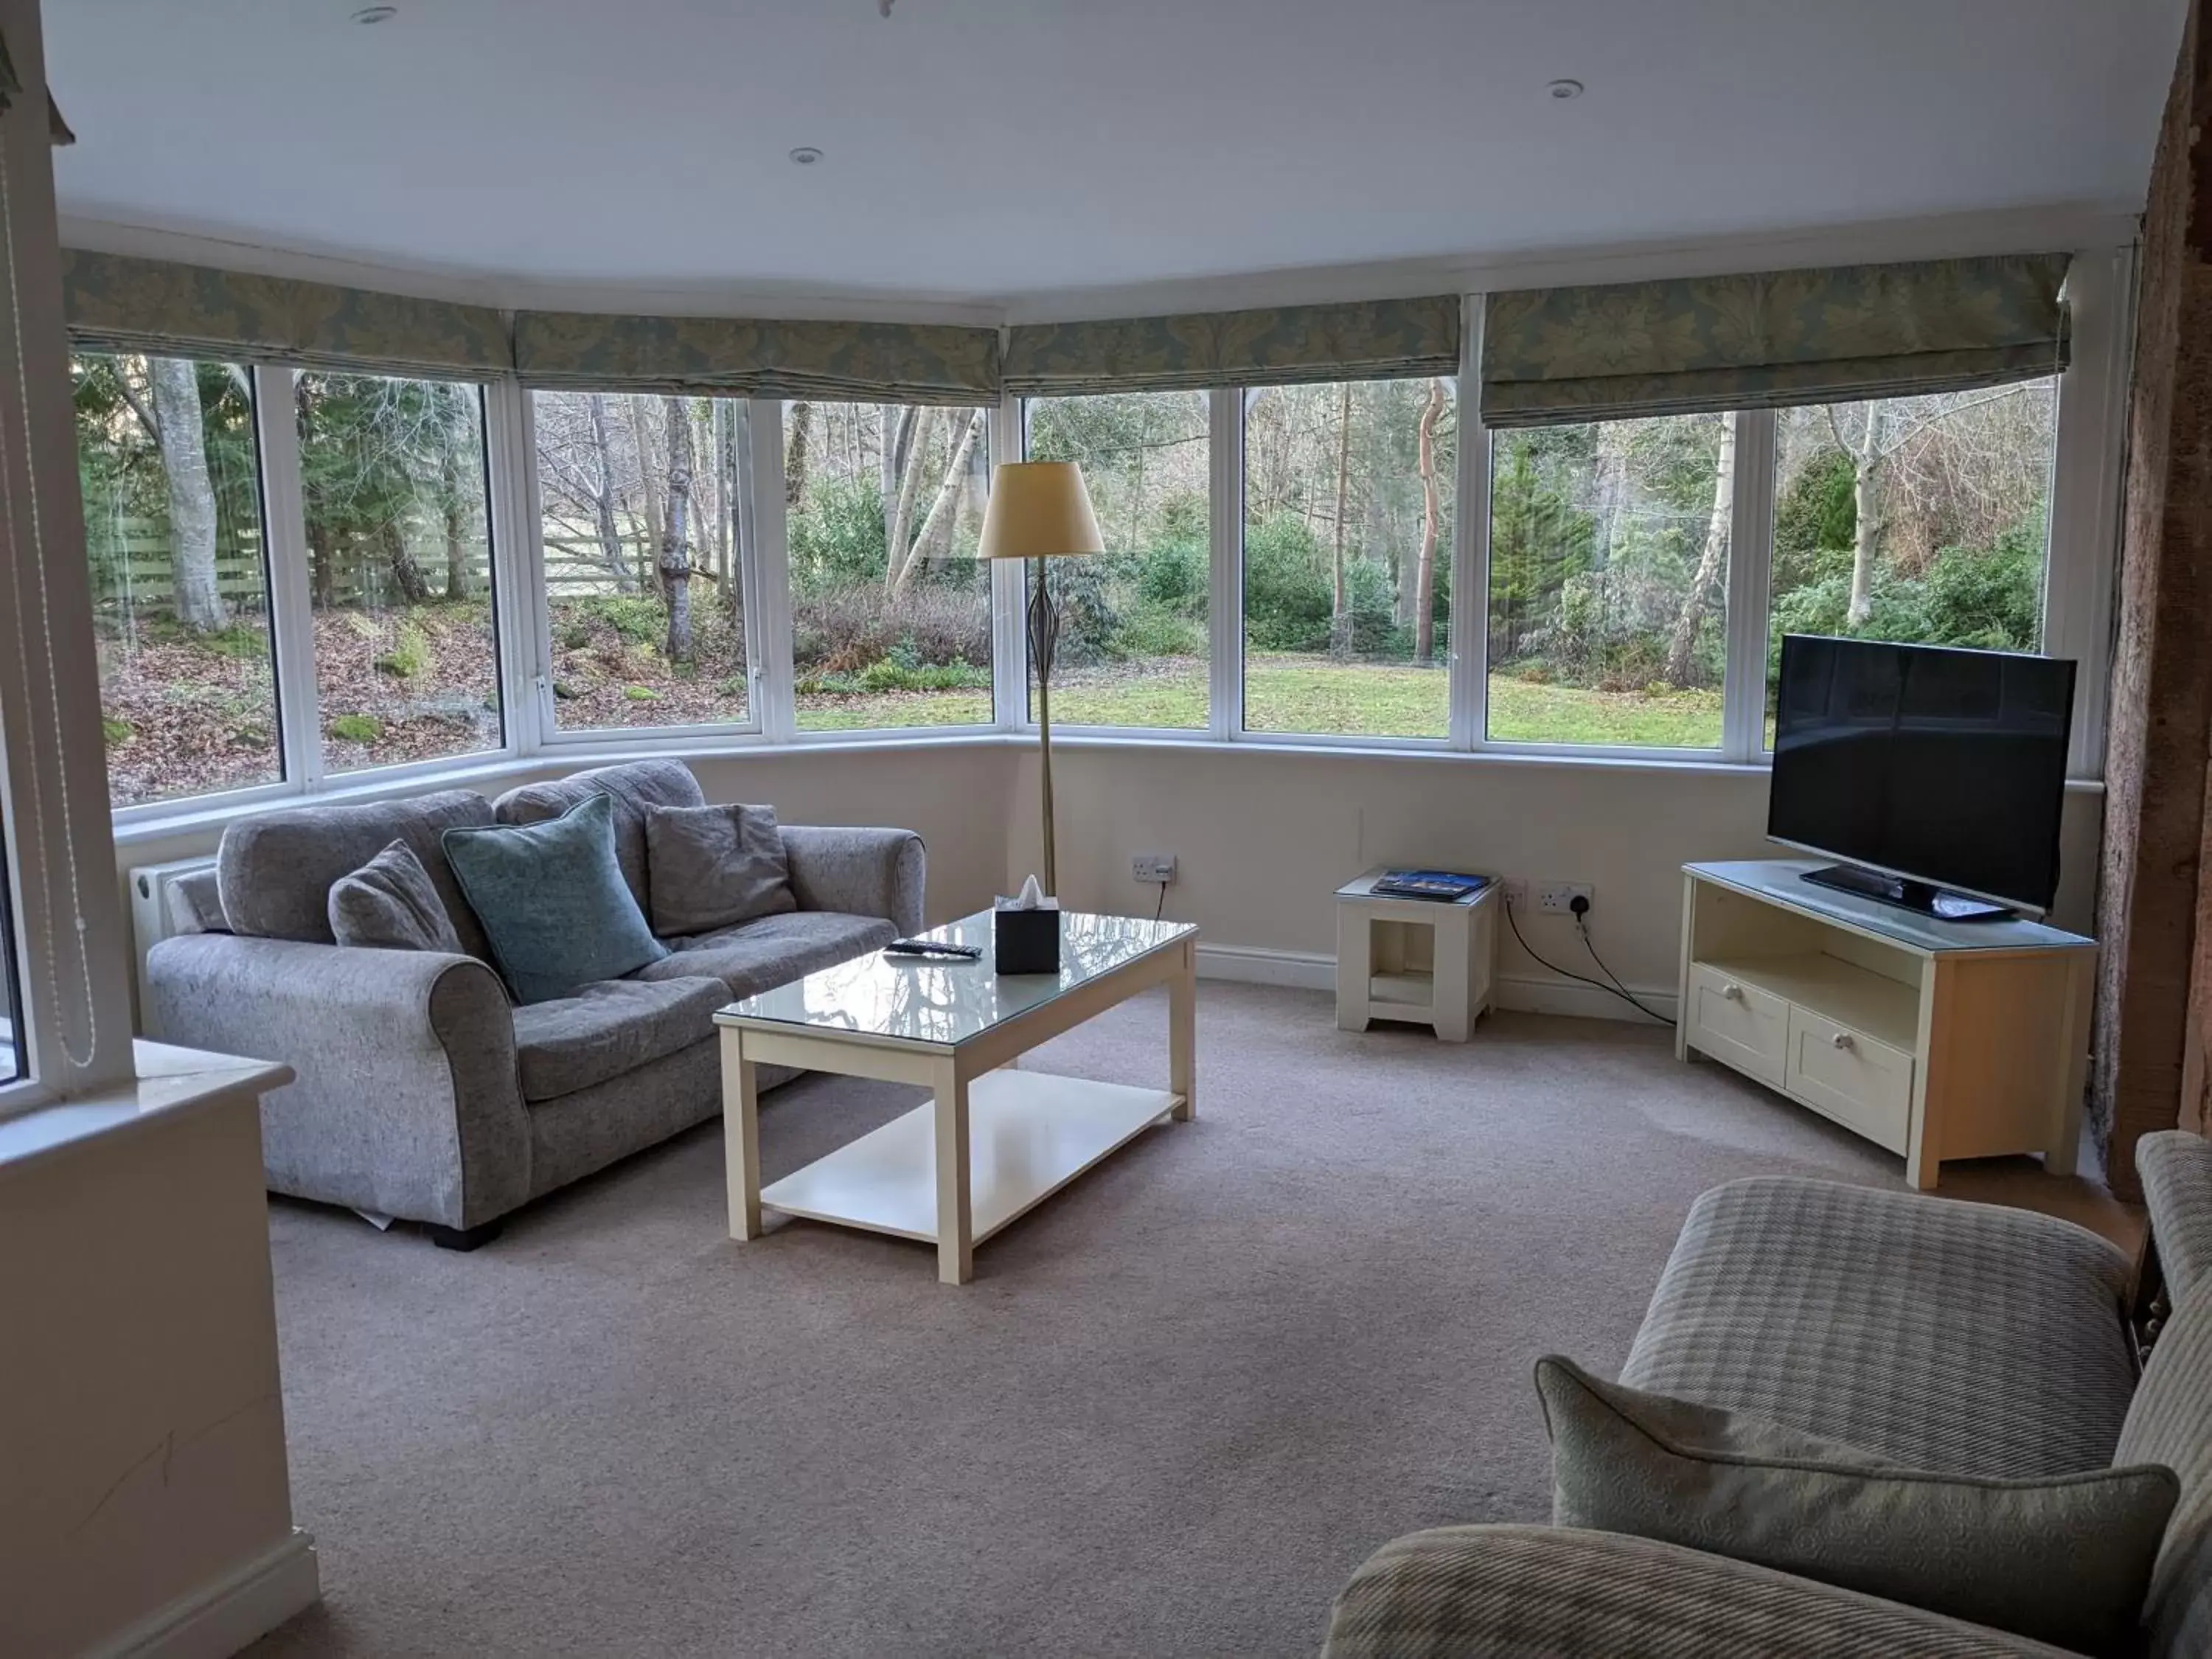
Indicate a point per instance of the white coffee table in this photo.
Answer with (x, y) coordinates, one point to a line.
(996, 1141)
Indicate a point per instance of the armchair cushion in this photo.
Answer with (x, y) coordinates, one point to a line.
(602, 1031)
(2176, 1167)
(389, 904)
(713, 866)
(2064, 1559)
(552, 899)
(757, 955)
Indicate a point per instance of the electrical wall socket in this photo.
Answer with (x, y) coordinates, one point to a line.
(1516, 892)
(1152, 866)
(1559, 896)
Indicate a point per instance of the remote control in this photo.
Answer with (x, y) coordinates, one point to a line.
(931, 947)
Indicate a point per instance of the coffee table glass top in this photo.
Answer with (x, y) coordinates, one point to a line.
(947, 1003)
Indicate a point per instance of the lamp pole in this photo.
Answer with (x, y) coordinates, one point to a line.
(1044, 634)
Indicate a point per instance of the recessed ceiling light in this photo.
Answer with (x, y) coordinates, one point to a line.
(1566, 88)
(376, 14)
(805, 155)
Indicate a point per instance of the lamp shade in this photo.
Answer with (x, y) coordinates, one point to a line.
(1039, 510)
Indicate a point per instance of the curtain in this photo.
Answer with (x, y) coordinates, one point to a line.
(1290, 345)
(1770, 339)
(115, 303)
(866, 363)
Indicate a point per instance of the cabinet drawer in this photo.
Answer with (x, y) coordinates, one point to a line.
(1740, 1024)
(1865, 1085)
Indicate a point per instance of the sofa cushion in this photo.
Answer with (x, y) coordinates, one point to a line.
(274, 872)
(2176, 1168)
(1947, 1336)
(389, 904)
(2063, 1558)
(632, 786)
(773, 950)
(2171, 1423)
(709, 867)
(195, 903)
(603, 1030)
(552, 901)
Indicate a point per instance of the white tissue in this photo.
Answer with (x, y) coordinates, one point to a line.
(1032, 897)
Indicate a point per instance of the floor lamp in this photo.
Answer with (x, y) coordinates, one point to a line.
(1039, 510)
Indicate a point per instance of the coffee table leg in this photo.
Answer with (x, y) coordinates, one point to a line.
(741, 1136)
(956, 1250)
(1183, 1034)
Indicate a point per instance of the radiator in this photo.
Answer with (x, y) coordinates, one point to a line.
(149, 919)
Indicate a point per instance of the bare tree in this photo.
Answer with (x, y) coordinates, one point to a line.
(176, 395)
(1339, 620)
(1425, 588)
(798, 430)
(675, 565)
(936, 530)
(897, 545)
(1681, 650)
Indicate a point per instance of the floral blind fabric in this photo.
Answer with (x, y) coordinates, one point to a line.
(871, 362)
(1770, 339)
(116, 303)
(1290, 345)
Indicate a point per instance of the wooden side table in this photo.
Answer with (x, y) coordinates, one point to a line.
(1420, 961)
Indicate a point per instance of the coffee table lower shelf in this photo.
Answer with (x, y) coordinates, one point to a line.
(1029, 1134)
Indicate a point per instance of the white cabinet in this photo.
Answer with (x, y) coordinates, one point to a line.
(1933, 1039)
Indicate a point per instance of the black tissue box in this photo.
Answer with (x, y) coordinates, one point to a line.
(1025, 941)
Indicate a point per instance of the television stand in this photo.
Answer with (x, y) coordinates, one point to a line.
(1933, 1039)
(1922, 898)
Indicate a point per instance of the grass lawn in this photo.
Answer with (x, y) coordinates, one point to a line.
(1308, 695)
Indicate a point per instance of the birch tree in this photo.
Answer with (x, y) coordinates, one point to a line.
(1681, 650)
(200, 605)
(675, 562)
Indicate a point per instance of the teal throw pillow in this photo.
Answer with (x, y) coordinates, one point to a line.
(553, 901)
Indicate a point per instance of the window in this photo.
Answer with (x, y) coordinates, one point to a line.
(1924, 519)
(399, 568)
(644, 595)
(891, 609)
(1608, 581)
(1133, 645)
(1348, 498)
(180, 576)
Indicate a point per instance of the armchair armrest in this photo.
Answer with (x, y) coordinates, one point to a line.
(861, 872)
(407, 1101)
(1552, 1592)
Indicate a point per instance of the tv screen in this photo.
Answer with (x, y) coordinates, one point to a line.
(1938, 765)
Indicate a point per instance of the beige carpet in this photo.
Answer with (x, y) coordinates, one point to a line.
(1181, 1402)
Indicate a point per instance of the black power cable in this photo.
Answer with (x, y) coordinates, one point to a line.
(1615, 989)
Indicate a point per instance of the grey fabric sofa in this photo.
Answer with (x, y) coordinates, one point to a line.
(422, 1092)
(1943, 1336)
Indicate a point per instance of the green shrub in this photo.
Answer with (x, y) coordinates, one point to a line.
(408, 660)
(837, 537)
(116, 731)
(356, 728)
(888, 675)
(1287, 592)
(244, 643)
(641, 694)
(637, 617)
(1173, 576)
(1153, 630)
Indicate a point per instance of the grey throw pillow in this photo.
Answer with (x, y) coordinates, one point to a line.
(2065, 1560)
(713, 866)
(552, 901)
(390, 904)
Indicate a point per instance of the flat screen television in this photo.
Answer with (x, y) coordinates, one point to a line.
(1937, 774)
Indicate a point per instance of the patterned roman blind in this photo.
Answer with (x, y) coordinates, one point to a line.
(871, 362)
(1770, 339)
(1289, 345)
(116, 303)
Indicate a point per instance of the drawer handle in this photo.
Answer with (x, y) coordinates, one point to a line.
(1733, 993)
(1842, 1040)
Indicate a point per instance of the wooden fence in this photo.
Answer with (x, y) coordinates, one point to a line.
(131, 567)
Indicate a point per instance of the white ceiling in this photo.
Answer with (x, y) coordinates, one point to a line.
(1001, 150)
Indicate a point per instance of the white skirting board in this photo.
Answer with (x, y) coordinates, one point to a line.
(1314, 970)
(218, 1620)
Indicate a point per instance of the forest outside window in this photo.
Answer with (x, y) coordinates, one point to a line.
(639, 497)
(166, 459)
(1133, 647)
(891, 609)
(1608, 581)
(1348, 498)
(405, 652)
(1922, 519)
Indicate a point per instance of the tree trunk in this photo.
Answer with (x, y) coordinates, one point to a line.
(1682, 650)
(322, 568)
(1866, 496)
(1340, 621)
(611, 550)
(897, 543)
(732, 429)
(648, 481)
(796, 434)
(938, 520)
(675, 540)
(1425, 582)
(456, 554)
(902, 437)
(406, 574)
(198, 592)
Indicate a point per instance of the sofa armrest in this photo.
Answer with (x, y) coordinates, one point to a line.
(1549, 1592)
(2176, 1168)
(407, 1101)
(860, 872)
